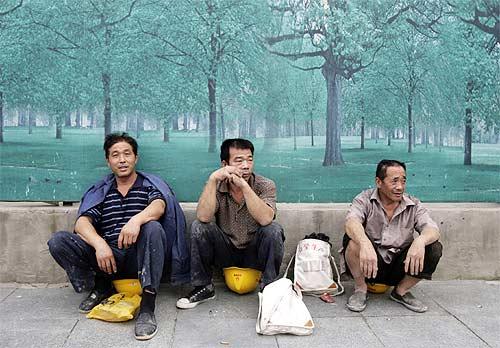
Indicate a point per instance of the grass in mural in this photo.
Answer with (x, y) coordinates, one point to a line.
(39, 167)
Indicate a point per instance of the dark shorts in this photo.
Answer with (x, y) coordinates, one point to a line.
(392, 273)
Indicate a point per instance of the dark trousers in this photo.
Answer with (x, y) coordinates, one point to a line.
(143, 260)
(392, 273)
(210, 247)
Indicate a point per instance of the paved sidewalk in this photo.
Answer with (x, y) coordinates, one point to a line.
(461, 314)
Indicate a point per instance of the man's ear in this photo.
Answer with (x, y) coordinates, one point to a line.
(223, 163)
(378, 182)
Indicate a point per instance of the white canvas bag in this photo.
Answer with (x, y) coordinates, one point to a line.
(281, 310)
(313, 273)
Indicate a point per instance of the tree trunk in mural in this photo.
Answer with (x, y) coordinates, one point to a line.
(252, 127)
(468, 126)
(1, 117)
(333, 153)
(294, 135)
(59, 124)
(106, 87)
(271, 131)
(166, 134)
(312, 130)
(185, 122)
(212, 116)
(78, 119)
(31, 120)
(222, 123)
(175, 123)
(362, 132)
(410, 128)
(67, 120)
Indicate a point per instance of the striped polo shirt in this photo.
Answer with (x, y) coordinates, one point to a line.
(116, 210)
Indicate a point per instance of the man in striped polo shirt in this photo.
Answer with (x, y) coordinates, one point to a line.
(122, 231)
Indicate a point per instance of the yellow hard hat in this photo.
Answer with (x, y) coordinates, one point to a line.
(377, 288)
(241, 280)
(130, 286)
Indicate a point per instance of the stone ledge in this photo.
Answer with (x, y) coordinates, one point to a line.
(470, 236)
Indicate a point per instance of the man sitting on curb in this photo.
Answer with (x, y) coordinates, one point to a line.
(379, 246)
(128, 224)
(243, 234)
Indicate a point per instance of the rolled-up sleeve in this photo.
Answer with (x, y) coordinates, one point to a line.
(359, 208)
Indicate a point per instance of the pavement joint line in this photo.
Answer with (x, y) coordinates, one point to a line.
(371, 330)
(70, 332)
(276, 340)
(461, 322)
(10, 293)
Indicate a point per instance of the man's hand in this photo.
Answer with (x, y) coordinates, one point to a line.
(128, 234)
(225, 173)
(238, 181)
(368, 260)
(105, 258)
(414, 262)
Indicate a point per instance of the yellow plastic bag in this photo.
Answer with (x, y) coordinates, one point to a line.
(118, 307)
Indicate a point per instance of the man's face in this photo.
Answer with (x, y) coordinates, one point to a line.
(122, 160)
(393, 186)
(241, 159)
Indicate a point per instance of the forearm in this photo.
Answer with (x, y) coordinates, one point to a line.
(355, 230)
(429, 235)
(153, 212)
(260, 211)
(85, 229)
(207, 202)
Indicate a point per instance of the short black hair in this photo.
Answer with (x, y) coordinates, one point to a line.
(237, 143)
(113, 138)
(382, 167)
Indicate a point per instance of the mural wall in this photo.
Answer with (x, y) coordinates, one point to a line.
(325, 89)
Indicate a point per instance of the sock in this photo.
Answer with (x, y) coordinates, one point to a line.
(148, 300)
(102, 284)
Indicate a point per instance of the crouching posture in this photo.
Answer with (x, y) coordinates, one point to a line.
(379, 244)
(235, 223)
(127, 226)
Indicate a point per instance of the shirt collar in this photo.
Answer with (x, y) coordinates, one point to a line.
(405, 202)
(137, 183)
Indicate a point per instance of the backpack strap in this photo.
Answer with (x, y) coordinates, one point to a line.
(338, 277)
(288, 267)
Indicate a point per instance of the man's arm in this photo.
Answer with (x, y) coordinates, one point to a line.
(103, 253)
(207, 203)
(260, 211)
(130, 231)
(414, 262)
(367, 255)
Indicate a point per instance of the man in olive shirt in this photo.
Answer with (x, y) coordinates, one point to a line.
(379, 244)
(234, 225)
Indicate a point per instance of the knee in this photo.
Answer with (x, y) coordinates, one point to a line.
(433, 252)
(273, 232)
(57, 241)
(152, 229)
(198, 229)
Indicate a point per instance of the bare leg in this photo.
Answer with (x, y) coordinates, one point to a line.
(352, 258)
(406, 284)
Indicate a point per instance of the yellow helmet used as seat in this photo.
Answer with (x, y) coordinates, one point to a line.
(129, 286)
(242, 280)
(377, 288)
